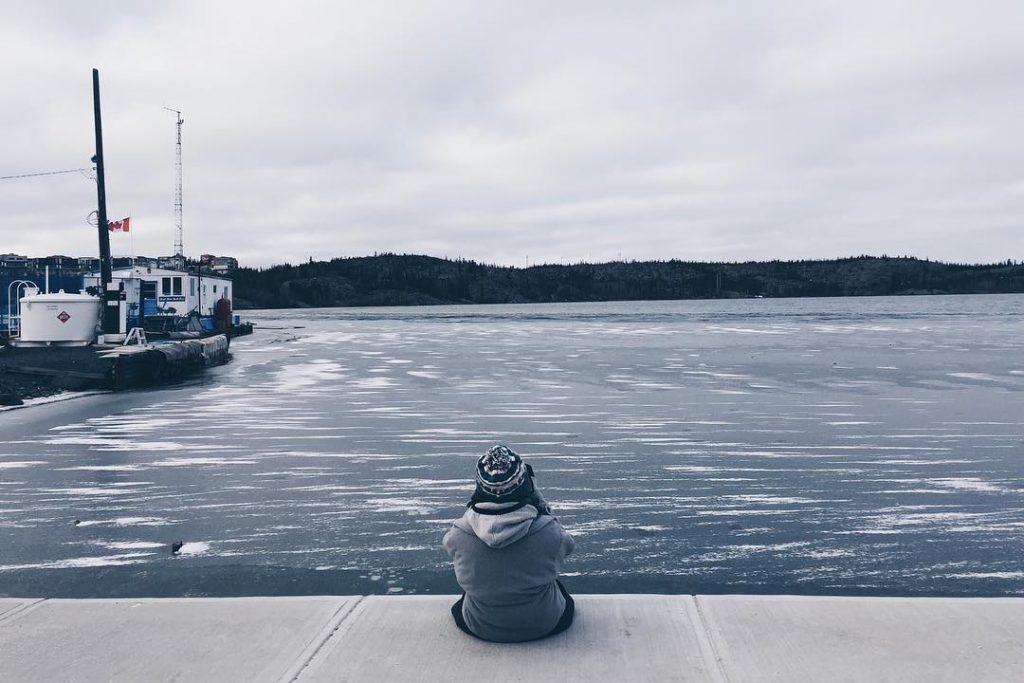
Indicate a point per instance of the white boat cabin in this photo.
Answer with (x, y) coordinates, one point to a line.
(169, 292)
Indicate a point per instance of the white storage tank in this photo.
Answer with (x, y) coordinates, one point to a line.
(58, 319)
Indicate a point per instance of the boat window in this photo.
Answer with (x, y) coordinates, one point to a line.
(215, 289)
(177, 286)
(191, 286)
(165, 285)
(226, 295)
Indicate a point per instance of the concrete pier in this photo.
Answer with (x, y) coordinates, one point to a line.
(615, 638)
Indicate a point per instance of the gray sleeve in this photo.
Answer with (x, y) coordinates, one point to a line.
(448, 543)
(568, 542)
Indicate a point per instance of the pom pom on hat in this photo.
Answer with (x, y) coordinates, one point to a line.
(500, 472)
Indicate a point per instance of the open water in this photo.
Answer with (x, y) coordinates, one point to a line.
(822, 446)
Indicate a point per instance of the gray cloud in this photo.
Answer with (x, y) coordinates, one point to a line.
(497, 131)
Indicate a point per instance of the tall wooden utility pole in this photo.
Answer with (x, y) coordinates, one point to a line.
(110, 322)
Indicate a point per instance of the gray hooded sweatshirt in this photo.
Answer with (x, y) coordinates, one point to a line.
(507, 565)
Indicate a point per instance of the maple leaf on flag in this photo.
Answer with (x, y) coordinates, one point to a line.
(122, 225)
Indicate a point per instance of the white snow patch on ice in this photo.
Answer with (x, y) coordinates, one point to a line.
(185, 462)
(719, 329)
(307, 375)
(373, 383)
(82, 562)
(976, 376)
(410, 506)
(99, 468)
(114, 489)
(770, 500)
(115, 444)
(194, 548)
(127, 521)
(131, 545)
(966, 484)
(425, 374)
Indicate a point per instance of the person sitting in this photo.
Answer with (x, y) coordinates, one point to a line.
(507, 550)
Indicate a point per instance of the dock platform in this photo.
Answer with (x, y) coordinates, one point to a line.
(27, 372)
(614, 638)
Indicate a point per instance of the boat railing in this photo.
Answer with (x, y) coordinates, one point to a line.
(14, 294)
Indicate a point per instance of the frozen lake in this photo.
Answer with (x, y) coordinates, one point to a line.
(843, 446)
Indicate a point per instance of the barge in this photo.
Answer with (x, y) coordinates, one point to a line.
(125, 328)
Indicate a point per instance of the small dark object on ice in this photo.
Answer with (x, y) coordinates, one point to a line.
(176, 546)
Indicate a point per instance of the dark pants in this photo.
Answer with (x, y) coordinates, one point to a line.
(563, 623)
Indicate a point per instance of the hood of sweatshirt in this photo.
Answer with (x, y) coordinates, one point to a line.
(501, 529)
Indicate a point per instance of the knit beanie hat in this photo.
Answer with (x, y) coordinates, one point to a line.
(502, 475)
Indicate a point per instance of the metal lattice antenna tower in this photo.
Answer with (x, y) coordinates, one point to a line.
(179, 248)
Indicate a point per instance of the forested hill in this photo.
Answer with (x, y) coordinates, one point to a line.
(391, 279)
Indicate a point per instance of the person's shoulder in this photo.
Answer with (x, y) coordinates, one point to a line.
(457, 533)
(553, 535)
(545, 524)
(554, 528)
(460, 527)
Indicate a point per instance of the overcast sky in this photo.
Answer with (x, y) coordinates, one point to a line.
(507, 131)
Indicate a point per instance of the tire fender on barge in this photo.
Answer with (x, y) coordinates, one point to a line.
(139, 365)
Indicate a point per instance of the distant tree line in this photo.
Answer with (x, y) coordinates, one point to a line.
(392, 279)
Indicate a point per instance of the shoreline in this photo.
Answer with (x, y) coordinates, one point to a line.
(245, 306)
(56, 396)
(22, 391)
(29, 374)
(161, 575)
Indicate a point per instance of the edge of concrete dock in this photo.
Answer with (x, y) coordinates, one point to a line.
(614, 638)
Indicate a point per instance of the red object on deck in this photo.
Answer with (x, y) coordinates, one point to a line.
(222, 313)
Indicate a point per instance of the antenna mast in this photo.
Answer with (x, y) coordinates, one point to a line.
(179, 249)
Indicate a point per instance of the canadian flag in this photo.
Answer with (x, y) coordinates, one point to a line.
(122, 225)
